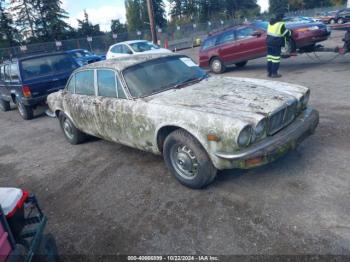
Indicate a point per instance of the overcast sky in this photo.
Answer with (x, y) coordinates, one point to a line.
(103, 11)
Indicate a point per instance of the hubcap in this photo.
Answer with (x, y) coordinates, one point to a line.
(184, 161)
(216, 66)
(67, 128)
(21, 109)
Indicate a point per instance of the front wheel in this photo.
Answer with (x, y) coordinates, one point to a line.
(47, 251)
(217, 66)
(26, 112)
(187, 160)
(72, 134)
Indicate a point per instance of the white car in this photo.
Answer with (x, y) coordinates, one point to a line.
(136, 47)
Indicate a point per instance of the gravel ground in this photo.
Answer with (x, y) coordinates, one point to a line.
(104, 198)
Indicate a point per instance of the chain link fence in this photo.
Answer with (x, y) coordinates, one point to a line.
(173, 37)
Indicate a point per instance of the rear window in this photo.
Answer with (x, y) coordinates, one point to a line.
(209, 43)
(48, 65)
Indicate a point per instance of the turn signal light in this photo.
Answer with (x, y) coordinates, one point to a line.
(254, 162)
(26, 91)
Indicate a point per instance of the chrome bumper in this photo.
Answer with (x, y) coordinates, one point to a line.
(280, 143)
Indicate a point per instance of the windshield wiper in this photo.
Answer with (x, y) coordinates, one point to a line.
(190, 81)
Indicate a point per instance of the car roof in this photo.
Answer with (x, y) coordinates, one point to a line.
(131, 42)
(121, 64)
(31, 56)
(76, 50)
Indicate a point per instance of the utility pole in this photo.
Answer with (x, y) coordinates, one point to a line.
(151, 21)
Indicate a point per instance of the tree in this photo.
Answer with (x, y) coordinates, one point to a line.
(8, 33)
(137, 14)
(117, 27)
(86, 28)
(50, 24)
(25, 15)
(278, 6)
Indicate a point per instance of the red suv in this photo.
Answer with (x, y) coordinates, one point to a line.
(237, 45)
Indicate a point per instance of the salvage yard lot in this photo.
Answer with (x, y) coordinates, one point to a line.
(104, 198)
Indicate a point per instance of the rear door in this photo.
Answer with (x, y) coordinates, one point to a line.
(80, 103)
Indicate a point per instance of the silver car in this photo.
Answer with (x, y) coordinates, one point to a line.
(166, 104)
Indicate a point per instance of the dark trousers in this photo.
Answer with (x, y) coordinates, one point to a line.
(273, 59)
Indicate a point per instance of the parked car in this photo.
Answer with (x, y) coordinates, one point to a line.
(135, 47)
(27, 81)
(84, 57)
(327, 17)
(237, 45)
(343, 16)
(166, 104)
(300, 19)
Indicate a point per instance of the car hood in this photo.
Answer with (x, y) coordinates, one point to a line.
(231, 97)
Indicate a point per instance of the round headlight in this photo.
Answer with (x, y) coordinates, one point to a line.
(260, 128)
(245, 136)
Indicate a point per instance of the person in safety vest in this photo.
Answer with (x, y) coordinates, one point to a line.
(277, 34)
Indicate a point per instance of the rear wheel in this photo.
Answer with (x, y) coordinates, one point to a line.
(4, 105)
(187, 160)
(217, 66)
(340, 21)
(26, 112)
(242, 64)
(72, 134)
(332, 21)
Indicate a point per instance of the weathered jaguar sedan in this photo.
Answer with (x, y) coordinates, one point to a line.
(166, 104)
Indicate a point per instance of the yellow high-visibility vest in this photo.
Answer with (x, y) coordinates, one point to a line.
(275, 30)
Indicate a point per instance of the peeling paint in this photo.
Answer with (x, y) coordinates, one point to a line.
(217, 105)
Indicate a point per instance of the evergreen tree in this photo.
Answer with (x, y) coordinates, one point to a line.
(8, 33)
(86, 28)
(50, 24)
(134, 15)
(25, 15)
(278, 6)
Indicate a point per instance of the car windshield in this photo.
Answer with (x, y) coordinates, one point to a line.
(81, 53)
(47, 65)
(161, 74)
(143, 46)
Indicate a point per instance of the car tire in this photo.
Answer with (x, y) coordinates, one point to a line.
(4, 105)
(26, 112)
(242, 64)
(72, 134)
(47, 251)
(332, 21)
(217, 66)
(187, 160)
(340, 21)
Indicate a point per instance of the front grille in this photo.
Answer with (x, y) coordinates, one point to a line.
(282, 118)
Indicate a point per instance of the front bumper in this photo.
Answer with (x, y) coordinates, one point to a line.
(271, 148)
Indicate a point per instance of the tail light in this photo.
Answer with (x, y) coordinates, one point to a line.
(26, 91)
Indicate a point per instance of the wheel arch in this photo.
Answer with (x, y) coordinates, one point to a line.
(164, 131)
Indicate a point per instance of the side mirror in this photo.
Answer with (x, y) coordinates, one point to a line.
(257, 34)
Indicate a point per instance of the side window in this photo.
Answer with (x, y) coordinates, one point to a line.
(84, 83)
(121, 93)
(7, 73)
(209, 43)
(14, 73)
(226, 37)
(245, 33)
(106, 83)
(71, 85)
(116, 49)
(126, 50)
